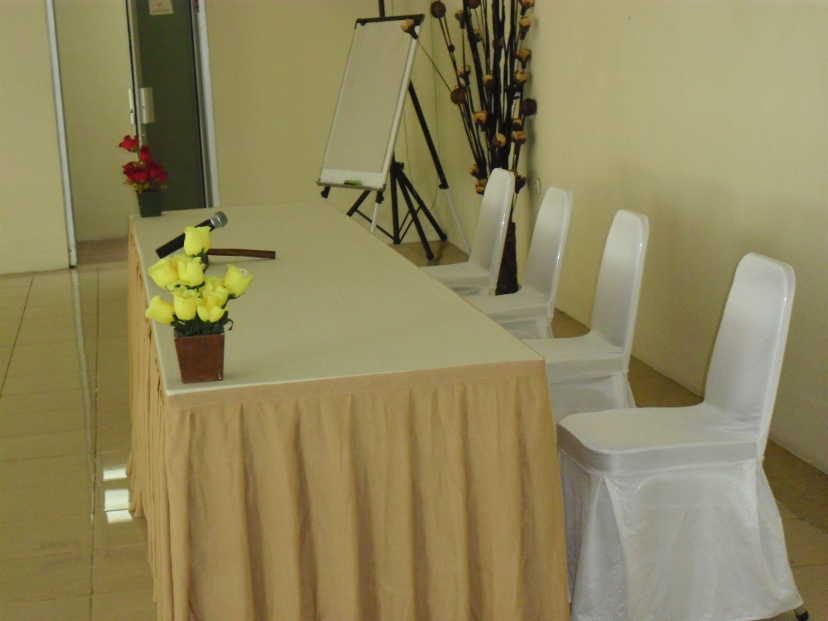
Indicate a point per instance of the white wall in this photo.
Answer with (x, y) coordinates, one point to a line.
(32, 224)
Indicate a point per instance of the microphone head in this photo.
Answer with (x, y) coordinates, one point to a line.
(218, 220)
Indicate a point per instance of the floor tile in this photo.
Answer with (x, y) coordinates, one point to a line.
(123, 606)
(812, 582)
(807, 545)
(43, 367)
(43, 412)
(66, 609)
(54, 329)
(54, 472)
(46, 577)
(121, 569)
(47, 534)
(5, 357)
(45, 445)
(52, 289)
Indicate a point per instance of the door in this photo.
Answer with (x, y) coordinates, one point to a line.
(165, 76)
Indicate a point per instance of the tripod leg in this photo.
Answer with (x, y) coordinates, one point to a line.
(395, 208)
(413, 212)
(410, 186)
(457, 222)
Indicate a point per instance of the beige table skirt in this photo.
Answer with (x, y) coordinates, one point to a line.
(424, 495)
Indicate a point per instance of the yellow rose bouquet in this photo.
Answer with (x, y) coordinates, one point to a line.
(199, 302)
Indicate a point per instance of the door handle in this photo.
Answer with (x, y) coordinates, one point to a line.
(147, 105)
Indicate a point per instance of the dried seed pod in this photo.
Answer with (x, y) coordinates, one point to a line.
(517, 123)
(499, 140)
(520, 181)
(438, 9)
(527, 4)
(523, 55)
(474, 171)
(463, 72)
(480, 117)
(460, 16)
(528, 107)
(489, 81)
(473, 4)
(458, 95)
(521, 77)
(525, 23)
(519, 137)
(408, 26)
(480, 186)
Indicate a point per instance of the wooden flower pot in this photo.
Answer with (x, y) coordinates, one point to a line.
(200, 358)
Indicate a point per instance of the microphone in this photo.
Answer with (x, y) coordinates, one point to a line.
(217, 221)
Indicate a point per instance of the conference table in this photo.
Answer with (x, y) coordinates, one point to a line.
(377, 450)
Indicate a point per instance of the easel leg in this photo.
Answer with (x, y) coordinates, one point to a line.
(413, 212)
(406, 182)
(456, 218)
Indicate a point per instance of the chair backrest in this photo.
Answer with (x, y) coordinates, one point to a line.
(546, 250)
(619, 279)
(487, 247)
(747, 357)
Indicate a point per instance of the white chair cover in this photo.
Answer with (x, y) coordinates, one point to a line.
(479, 274)
(669, 515)
(589, 373)
(527, 313)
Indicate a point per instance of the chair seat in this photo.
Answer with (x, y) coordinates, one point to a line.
(633, 440)
(578, 358)
(460, 276)
(525, 303)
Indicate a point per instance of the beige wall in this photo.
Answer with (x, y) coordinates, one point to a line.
(32, 225)
(95, 69)
(276, 69)
(711, 118)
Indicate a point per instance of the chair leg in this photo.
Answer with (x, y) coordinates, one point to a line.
(802, 613)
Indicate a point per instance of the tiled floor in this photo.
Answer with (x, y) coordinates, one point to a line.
(69, 550)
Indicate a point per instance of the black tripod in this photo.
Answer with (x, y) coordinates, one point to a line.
(400, 181)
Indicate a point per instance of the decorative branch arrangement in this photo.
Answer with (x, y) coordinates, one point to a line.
(492, 69)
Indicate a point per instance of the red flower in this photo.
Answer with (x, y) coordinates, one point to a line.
(130, 143)
(138, 175)
(156, 172)
(144, 154)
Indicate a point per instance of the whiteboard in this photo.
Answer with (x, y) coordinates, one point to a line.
(370, 104)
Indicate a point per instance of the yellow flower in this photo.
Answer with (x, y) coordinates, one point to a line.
(196, 240)
(215, 287)
(237, 280)
(185, 303)
(191, 271)
(163, 272)
(159, 310)
(208, 310)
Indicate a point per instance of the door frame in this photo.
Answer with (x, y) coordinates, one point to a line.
(204, 94)
(60, 121)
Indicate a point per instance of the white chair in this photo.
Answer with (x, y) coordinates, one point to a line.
(527, 313)
(479, 274)
(668, 511)
(589, 373)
